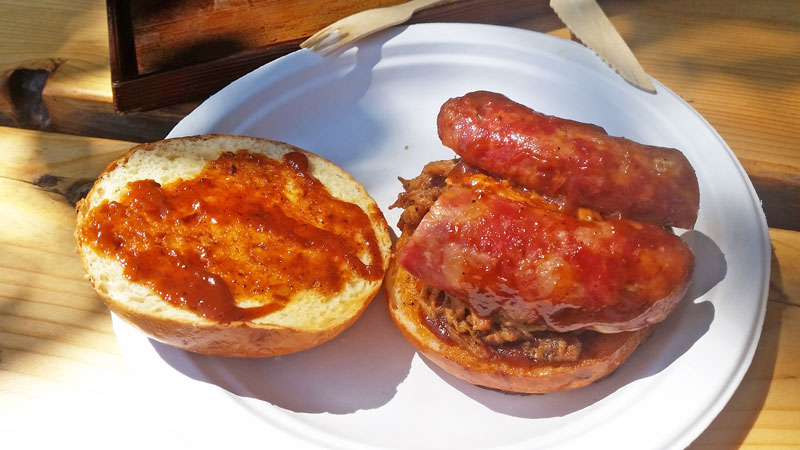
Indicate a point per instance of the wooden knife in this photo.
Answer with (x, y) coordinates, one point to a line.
(586, 20)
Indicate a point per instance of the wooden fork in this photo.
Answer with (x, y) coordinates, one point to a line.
(345, 31)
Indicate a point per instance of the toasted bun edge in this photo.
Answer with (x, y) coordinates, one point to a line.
(402, 290)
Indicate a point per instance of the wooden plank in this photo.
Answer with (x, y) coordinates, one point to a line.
(57, 164)
(169, 35)
(737, 63)
(188, 50)
(68, 43)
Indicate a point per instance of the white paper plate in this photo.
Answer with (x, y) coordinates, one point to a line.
(373, 110)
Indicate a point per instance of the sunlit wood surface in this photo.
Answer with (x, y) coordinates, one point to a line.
(63, 381)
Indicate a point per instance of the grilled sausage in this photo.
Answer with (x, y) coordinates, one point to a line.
(575, 163)
(532, 265)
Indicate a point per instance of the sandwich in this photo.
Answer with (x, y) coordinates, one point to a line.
(540, 257)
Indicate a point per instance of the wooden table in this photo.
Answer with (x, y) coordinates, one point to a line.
(63, 380)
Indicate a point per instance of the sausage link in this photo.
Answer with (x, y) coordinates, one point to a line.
(539, 266)
(575, 163)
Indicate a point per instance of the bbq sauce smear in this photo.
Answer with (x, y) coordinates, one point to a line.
(247, 226)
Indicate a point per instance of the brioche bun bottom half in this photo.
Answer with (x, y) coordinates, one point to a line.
(601, 354)
(308, 320)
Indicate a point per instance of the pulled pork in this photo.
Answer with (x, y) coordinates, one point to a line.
(451, 318)
(421, 192)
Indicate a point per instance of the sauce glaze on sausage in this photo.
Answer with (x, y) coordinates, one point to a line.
(500, 253)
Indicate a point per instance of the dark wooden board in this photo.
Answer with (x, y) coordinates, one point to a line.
(163, 53)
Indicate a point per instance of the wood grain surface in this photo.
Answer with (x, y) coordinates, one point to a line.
(737, 63)
(63, 381)
(55, 73)
(174, 34)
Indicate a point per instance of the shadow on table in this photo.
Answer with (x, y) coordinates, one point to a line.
(359, 369)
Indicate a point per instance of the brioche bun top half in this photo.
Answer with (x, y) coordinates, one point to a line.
(308, 319)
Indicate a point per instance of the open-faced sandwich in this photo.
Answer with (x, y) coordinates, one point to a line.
(539, 259)
(232, 246)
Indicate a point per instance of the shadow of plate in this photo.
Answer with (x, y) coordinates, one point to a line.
(357, 370)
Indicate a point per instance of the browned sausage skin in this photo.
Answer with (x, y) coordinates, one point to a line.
(575, 163)
(535, 266)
